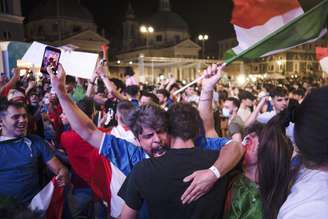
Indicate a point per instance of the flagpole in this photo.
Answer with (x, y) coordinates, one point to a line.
(197, 80)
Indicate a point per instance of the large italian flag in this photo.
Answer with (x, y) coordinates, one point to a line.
(266, 27)
(322, 56)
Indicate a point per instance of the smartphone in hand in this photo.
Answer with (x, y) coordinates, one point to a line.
(50, 58)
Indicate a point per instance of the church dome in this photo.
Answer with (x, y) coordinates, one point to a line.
(67, 8)
(168, 20)
(165, 19)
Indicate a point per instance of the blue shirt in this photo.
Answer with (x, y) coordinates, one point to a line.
(19, 176)
(124, 155)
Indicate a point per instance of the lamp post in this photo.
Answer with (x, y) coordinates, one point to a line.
(203, 38)
(144, 29)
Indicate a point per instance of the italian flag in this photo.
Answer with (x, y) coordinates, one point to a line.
(266, 27)
(322, 56)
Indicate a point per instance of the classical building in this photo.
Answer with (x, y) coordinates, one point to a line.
(300, 61)
(64, 22)
(11, 21)
(161, 47)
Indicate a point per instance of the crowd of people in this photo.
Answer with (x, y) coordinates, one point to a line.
(214, 150)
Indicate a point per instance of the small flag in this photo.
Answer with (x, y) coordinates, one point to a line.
(322, 56)
(49, 200)
(266, 27)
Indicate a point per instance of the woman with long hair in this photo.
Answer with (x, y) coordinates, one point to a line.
(263, 187)
(308, 197)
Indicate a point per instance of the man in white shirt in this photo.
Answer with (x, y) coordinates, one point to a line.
(246, 101)
(280, 102)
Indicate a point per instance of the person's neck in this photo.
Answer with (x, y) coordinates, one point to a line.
(179, 143)
(243, 106)
(251, 173)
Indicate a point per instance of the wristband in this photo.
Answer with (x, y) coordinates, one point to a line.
(215, 171)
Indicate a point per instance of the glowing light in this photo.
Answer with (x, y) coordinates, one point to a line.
(150, 29)
(143, 29)
(118, 62)
(161, 77)
(130, 62)
(241, 79)
(22, 72)
(253, 78)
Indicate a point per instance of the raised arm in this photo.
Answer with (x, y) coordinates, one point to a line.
(252, 118)
(79, 122)
(212, 76)
(102, 71)
(12, 81)
(230, 154)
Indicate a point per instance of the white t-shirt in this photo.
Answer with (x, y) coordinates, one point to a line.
(308, 198)
(265, 117)
(244, 113)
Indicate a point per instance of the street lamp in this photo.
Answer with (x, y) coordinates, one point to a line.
(144, 29)
(203, 38)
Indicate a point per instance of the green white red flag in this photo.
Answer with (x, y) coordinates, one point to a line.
(322, 56)
(266, 27)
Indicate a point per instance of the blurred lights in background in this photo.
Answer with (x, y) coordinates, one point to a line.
(241, 79)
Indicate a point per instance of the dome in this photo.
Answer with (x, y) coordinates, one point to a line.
(168, 20)
(67, 8)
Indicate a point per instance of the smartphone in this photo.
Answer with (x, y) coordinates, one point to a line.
(51, 57)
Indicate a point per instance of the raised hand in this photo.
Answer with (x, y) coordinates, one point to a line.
(211, 76)
(57, 80)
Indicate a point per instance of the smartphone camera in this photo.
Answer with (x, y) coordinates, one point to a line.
(50, 58)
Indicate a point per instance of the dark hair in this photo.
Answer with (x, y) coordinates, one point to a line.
(255, 127)
(175, 85)
(311, 125)
(87, 105)
(278, 92)
(184, 121)
(243, 95)
(132, 90)
(147, 116)
(299, 92)
(118, 83)
(164, 92)
(32, 92)
(70, 79)
(128, 71)
(152, 96)
(274, 155)
(5, 104)
(234, 101)
(124, 108)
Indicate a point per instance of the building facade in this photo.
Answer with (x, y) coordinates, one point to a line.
(299, 61)
(64, 22)
(11, 21)
(164, 50)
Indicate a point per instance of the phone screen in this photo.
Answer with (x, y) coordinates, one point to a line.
(50, 58)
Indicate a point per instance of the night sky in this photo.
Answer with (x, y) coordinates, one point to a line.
(207, 16)
(203, 16)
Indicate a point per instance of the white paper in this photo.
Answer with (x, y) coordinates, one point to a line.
(79, 64)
